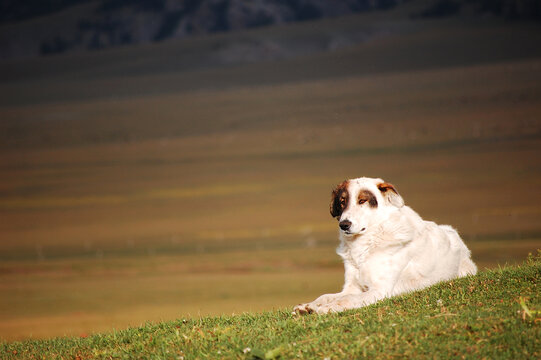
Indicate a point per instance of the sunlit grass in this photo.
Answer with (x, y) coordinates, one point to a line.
(70, 296)
(494, 314)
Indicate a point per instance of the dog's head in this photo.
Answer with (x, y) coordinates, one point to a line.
(361, 203)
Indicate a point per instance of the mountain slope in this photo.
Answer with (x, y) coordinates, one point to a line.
(42, 27)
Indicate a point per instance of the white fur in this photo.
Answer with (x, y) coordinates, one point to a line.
(389, 250)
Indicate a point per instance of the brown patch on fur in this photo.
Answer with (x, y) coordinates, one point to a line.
(383, 187)
(367, 196)
(340, 199)
(390, 194)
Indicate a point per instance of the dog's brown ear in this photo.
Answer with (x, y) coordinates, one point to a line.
(390, 194)
(339, 199)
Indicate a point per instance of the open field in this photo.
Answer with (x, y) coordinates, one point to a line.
(163, 193)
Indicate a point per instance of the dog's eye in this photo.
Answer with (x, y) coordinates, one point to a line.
(362, 201)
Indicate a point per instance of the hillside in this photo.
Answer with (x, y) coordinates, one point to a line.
(495, 314)
(33, 28)
(355, 45)
(43, 27)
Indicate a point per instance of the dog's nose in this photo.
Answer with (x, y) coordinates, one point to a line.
(345, 225)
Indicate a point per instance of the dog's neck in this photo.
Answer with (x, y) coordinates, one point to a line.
(392, 231)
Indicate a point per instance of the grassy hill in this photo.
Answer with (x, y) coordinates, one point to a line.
(495, 314)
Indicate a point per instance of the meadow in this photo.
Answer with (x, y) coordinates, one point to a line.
(134, 192)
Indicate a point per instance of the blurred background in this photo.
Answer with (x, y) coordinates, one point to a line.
(170, 159)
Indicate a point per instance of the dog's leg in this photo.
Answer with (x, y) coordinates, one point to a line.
(340, 302)
(350, 287)
(311, 307)
(353, 297)
(350, 301)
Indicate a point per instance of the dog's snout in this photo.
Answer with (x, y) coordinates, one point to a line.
(345, 225)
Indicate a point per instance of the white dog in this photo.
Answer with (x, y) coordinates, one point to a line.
(387, 248)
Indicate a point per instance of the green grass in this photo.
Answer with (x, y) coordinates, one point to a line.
(492, 315)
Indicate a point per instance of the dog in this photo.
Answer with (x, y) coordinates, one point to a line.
(387, 248)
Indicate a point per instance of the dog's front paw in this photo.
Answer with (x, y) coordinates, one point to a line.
(322, 305)
(313, 307)
(339, 304)
(303, 309)
(329, 308)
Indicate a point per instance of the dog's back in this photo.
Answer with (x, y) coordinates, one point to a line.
(466, 266)
(436, 253)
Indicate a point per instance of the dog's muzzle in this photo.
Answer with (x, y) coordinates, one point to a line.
(345, 225)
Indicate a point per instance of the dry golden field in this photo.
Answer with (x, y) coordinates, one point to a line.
(161, 201)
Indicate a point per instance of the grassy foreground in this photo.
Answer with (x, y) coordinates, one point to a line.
(495, 314)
